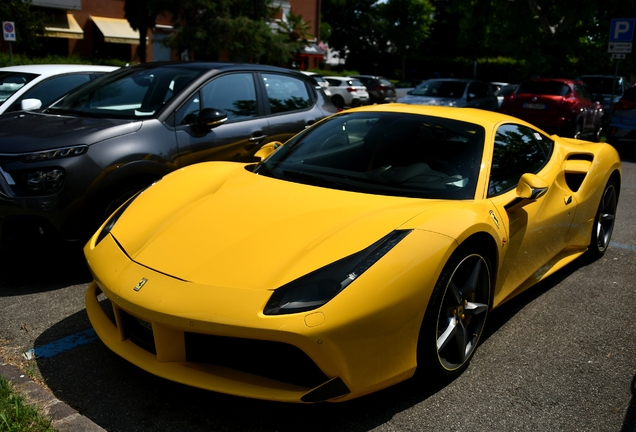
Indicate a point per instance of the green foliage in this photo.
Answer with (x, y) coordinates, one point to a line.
(238, 29)
(553, 38)
(16, 415)
(28, 24)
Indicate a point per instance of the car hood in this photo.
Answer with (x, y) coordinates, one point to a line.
(219, 224)
(26, 132)
(434, 101)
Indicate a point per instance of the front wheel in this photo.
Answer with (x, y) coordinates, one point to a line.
(603, 222)
(338, 101)
(456, 315)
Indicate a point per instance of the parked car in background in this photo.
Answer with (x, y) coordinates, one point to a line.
(320, 81)
(601, 88)
(505, 91)
(347, 91)
(380, 89)
(622, 128)
(453, 92)
(403, 87)
(46, 83)
(562, 106)
(64, 169)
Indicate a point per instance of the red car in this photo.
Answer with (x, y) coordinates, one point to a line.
(561, 106)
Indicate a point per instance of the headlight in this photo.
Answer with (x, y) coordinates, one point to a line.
(114, 218)
(318, 287)
(55, 154)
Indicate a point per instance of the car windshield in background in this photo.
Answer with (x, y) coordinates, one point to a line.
(603, 85)
(441, 89)
(394, 154)
(131, 94)
(11, 82)
(545, 88)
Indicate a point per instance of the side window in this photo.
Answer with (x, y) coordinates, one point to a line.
(188, 113)
(233, 93)
(286, 93)
(52, 89)
(518, 150)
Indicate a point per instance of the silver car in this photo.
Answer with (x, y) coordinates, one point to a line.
(453, 92)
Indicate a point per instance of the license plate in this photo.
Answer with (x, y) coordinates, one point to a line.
(534, 105)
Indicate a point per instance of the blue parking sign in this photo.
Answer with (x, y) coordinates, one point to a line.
(622, 30)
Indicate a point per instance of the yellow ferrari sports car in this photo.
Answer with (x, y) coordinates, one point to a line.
(364, 251)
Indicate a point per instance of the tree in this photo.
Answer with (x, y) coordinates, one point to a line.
(407, 25)
(237, 29)
(29, 24)
(368, 33)
(550, 37)
(142, 16)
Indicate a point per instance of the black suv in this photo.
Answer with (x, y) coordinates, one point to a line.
(380, 89)
(65, 168)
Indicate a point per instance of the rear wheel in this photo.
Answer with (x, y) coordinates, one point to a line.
(603, 222)
(456, 315)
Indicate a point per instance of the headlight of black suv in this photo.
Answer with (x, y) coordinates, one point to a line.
(318, 287)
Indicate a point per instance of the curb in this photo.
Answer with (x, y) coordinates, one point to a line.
(65, 418)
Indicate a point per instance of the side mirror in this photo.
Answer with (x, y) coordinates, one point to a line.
(212, 117)
(531, 187)
(30, 104)
(267, 149)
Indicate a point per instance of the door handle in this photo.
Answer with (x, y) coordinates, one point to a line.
(253, 141)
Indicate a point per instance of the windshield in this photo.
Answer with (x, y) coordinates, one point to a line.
(552, 88)
(11, 82)
(132, 93)
(441, 89)
(603, 85)
(383, 153)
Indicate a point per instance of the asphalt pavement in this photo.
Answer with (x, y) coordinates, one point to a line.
(562, 356)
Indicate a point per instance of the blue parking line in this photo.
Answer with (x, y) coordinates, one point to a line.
(62, 345)
(623, 246)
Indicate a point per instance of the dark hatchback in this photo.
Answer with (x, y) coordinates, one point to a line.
(65, 168)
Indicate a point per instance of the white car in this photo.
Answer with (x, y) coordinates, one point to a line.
(347, 91)
(320, 81)
(33, 86)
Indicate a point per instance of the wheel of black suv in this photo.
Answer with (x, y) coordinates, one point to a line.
(456, 315)
(603, 222)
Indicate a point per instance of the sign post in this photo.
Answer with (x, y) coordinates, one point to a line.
(8, 31)
(620, 44)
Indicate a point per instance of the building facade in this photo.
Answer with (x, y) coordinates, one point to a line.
(97, 29)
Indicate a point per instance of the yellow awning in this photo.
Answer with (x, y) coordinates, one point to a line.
(116, 30)
(66, 28)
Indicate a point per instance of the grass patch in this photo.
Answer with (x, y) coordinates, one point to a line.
(16, 415)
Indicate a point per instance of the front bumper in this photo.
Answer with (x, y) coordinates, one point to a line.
(217, 338)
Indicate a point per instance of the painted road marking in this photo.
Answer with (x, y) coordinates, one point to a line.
(62, 345)
(623, 246)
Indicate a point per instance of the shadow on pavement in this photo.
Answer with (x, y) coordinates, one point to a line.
(42, 266)
(629, 424)
(119, 396)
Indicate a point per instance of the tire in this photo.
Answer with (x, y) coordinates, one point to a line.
(338, 101)
(456, 315)
(603, 222)
(576, 133)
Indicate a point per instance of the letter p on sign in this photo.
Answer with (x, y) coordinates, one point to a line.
(622, 30)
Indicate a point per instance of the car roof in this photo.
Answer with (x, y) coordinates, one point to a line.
(55, 69)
